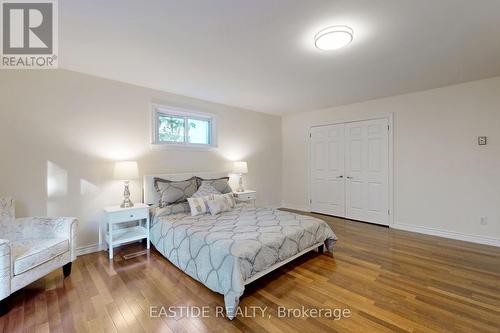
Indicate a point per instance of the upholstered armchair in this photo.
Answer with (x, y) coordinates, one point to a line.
(31, 248)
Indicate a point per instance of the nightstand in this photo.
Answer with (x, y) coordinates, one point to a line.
(246, 196)
(114, 215)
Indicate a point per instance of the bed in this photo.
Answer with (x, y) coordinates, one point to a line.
(229, 250)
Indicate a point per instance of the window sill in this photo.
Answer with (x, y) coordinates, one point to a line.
(174, 146)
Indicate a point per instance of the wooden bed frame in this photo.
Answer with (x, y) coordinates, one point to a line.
(150, 197)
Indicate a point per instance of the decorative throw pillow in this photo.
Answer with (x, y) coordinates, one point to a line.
(198, 205)
(175, 191)
(205, 189)
(218, 205)
(229, 197)
(220, 184)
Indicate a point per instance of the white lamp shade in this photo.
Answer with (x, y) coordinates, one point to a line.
(126, 170)
(240, 167)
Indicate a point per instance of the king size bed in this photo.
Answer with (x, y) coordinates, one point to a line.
(231, 249)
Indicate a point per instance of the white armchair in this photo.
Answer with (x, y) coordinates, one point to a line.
(31, 248)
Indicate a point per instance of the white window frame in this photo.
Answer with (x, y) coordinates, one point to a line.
(158, 109)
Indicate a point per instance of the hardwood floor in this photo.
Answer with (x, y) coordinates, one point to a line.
(390, 280)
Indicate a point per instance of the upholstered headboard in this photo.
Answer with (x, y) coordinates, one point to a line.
(150, 194)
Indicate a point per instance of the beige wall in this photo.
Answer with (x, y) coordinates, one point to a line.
(60, 132)
(442, 179)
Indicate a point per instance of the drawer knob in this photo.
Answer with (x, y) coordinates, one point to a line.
(131, 215)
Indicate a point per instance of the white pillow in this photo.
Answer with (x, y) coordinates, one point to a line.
(218, 205)
(198, 205)
(228, 197)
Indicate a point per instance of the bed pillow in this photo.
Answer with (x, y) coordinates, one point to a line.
(174, 191)
(182, 207)
(198, 205)
(229, 197)
(220, 184)
(205, 189)
(218, 205)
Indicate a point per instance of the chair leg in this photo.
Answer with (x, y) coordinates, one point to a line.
(4, 306)
(321, 249)
(67, 269)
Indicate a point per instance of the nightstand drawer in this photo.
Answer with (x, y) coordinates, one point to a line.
(128, 215)
(246, 196)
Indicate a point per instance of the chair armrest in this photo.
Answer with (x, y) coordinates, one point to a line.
(59, 227)
(5, 268)
(7, 208)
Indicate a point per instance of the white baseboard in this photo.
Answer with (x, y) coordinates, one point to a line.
(447, 234)
(295, 207)
(80, 251)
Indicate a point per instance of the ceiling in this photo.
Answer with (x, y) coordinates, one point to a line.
(259, 54)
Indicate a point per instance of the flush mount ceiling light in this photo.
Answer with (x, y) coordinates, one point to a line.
(333, 38)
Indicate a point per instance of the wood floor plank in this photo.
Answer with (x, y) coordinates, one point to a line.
(389, 280)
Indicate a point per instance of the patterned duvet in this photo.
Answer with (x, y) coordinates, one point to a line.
(225, 250)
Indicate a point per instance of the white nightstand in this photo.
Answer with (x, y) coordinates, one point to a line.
(246, 196)
(115, 215)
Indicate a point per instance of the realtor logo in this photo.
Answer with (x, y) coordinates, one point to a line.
(29, 34)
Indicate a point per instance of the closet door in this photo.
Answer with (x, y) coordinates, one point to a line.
(367, 171)
(327, 170)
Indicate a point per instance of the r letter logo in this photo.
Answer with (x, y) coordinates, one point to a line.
(29, 34)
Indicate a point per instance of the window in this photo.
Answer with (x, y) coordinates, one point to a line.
(184, 128)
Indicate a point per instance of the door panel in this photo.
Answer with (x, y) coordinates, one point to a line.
(334, 162)
(374, 155)
(367, 171)
(356, 195)
(355, 155)
(327, 188)
(319, 155)
(375, 193)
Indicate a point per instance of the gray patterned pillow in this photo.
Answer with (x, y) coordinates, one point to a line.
(218, 206)
(220, 184)
(205, 189)
(182, 207)
(174, 191)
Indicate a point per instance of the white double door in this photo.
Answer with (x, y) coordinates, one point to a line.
(349, 166)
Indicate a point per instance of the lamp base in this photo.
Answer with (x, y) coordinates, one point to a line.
(127, 204)
(126, 197)
(240, 184)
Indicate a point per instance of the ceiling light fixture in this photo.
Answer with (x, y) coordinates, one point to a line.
(333, 38)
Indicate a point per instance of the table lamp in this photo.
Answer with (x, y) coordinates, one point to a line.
(126, 171)
(240, 168)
